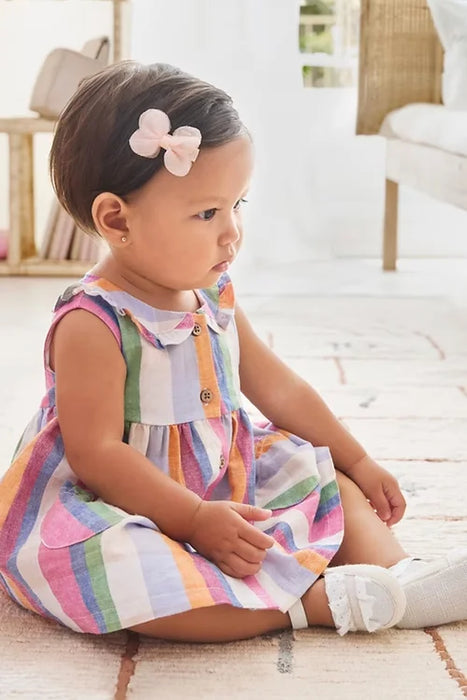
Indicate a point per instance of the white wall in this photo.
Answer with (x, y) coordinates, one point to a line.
(29, 30)
(318, 189)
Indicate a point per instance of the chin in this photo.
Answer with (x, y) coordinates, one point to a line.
(210, 279)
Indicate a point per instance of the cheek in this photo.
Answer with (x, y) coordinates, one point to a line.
(156, 230)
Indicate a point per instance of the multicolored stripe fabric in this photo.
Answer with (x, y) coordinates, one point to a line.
(67, 555)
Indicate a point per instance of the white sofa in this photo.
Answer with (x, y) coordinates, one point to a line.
(400, 93)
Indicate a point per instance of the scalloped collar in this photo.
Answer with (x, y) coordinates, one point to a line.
(158, 326)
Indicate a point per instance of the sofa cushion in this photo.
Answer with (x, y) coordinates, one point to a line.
(450, 19)
(431, 124)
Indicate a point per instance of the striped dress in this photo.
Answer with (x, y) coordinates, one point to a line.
(69, 556)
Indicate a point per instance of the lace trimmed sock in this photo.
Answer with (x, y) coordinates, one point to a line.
(436, 590)
(363, 597)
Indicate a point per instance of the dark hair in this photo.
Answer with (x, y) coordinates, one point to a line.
(90, 152)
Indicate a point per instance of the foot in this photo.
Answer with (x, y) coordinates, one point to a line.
(436, 591)
(363, 597)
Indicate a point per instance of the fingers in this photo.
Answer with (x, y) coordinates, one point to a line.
(255, 537)
(381, 505)
(249, 532)
(398, 505)
(251, 554)
(390, 505)
(237, 567)
(397, 515)
(250, 512)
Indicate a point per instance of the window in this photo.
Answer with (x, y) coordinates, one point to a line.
(328, 41)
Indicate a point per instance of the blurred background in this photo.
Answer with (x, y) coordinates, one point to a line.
(292, 70)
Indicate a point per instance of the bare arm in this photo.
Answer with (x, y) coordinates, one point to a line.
(289, 401)
(90, 378)
(292, 404)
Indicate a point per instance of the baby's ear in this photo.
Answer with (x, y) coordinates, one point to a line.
(109, 215)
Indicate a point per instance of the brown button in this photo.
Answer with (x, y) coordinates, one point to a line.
(196, 329)
(206, 395)
(222, 462)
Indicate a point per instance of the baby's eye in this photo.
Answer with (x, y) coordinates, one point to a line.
(207, 214)
(238, 204)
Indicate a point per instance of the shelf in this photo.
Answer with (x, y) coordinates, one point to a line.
(38, 267)
(22, 253)
(26, 125)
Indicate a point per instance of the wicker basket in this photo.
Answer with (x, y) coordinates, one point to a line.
(400, 59)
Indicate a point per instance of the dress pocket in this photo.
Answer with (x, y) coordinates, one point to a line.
(75, 516)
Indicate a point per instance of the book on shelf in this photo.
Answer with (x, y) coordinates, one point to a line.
(76, 243)
(49, 229)
(61, 237)
(64, 240)
(91, 249)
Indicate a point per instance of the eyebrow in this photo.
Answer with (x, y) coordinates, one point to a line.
(209, 200)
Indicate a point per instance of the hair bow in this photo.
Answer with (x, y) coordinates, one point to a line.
(181, 147)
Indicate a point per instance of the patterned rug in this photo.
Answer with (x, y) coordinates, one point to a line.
(395, 370)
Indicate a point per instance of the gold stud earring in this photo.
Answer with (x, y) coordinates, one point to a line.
(123, 239)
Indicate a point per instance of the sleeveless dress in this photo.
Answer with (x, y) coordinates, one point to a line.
(71, 557)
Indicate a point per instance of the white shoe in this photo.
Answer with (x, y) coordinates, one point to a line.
(363, 597)
(436, 591)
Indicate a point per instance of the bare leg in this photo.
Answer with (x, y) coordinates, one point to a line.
(224, 623)
(219, 623)
(367, 540)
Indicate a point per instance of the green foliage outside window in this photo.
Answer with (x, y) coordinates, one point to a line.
(316, 38)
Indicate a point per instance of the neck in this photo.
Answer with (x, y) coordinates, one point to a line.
(145, 289)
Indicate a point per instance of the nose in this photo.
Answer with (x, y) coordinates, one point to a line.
(231, 231)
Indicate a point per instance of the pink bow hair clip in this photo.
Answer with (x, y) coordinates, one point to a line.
(181, 147)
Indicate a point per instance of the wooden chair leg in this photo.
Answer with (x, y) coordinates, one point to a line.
(390, 226)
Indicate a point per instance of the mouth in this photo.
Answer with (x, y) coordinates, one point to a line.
(223, 266)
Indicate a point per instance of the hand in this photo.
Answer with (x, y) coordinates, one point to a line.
(381, 489)
(220, 531)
